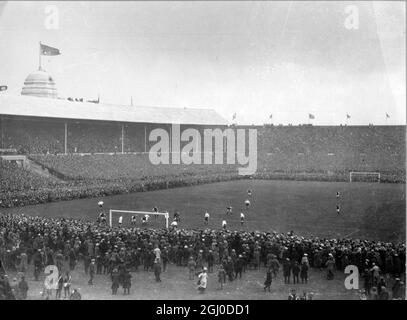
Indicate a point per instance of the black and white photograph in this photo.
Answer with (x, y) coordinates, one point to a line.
(202, 150)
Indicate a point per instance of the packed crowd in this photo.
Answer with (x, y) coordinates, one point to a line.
(293, 150)
(116, 252)
(15, 178)
(32, 136)
(284, 152)
(100, 175)
(122, 167)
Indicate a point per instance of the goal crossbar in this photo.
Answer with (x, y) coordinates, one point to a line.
(165, 214)
(363, 173)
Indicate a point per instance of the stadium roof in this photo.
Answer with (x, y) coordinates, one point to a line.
(28, 106)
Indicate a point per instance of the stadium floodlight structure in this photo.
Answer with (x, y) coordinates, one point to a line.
(165, 214)
(353, 174)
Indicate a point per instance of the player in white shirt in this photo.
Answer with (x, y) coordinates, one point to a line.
(206, 218)
(241, 218)
(102, 215)
(338, 195)
(249, 193)
(120, 220)
(174, 223)
(228, 210)
(338, 209)
(247, 203)
(224, 224)
(145, 219)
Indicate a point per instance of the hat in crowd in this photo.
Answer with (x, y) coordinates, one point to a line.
(100, 203)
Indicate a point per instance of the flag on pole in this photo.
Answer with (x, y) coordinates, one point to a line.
(234, 116)
(271, 116)
(387, 116)
(347, 116)
(311, 116)
(49, 51)
(3, 88)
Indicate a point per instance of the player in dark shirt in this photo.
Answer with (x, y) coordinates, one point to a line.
(228, 210)
(133, 220)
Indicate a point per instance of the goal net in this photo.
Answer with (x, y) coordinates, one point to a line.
(114, 216)
(356, 176)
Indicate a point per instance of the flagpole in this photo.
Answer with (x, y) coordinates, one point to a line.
(39, 62)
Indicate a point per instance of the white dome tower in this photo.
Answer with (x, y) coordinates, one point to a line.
(39, 84)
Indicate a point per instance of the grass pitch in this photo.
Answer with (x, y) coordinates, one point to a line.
(367, 210)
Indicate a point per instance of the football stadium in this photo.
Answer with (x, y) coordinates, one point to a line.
(104, 201)
(318, 190)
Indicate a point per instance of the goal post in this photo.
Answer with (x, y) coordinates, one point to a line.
(364, 176)
(165, 214)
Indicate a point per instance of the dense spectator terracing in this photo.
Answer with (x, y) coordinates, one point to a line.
(32, 136)
(15, 178)
(335, 150)
(121, 167)
(101, 175)
(304, 152)
(326, 148)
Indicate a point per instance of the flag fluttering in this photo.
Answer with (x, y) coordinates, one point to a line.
(3, 88)
(311, 116)
(347, 116)
(387, 116)
(234, 116)
(271, 116)
(48, 51)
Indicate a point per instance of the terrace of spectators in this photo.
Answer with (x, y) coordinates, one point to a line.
(292, 152)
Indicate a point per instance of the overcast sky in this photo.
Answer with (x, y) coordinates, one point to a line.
(286, 58)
